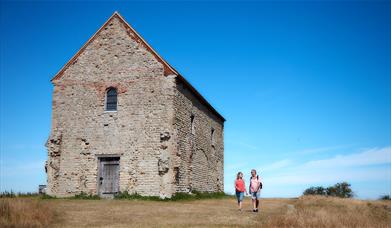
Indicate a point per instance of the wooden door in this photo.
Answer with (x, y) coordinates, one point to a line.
(109, 176)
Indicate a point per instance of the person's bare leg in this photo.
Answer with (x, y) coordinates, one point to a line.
(254, 204)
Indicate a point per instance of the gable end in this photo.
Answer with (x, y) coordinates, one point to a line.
(168, 69)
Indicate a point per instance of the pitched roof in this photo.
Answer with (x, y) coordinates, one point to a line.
(168, 69)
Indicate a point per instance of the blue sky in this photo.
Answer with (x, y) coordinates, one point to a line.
(305, 86)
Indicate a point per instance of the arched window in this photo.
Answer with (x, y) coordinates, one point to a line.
(111, 99)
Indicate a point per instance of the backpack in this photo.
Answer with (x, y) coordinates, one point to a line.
(260, 183)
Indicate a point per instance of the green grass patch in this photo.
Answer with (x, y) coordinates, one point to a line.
(80, 196)
(126, 195)
(46, 196)
(85, 196)
(180, 196)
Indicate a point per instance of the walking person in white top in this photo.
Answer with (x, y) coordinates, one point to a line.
(255, 189)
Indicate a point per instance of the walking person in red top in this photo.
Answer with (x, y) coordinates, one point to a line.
(240, 189)
(255, 189)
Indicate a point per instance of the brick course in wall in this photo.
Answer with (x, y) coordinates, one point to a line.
(150, 132)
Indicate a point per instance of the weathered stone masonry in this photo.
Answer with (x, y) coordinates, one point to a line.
(151, 132)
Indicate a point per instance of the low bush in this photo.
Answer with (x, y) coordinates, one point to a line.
(315, 191)
(85, 196)
(385, 197)
(136, 196)
(341, 190)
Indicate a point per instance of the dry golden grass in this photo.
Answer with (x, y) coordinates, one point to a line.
(25, 212)
(302, 212)
(317, 211)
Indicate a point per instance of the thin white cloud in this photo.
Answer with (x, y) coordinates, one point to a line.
(241, 142)
(249, 146)
(234, 166)
(319, 176)
(351, 167)
(321, 149)
(276, 165)
(11, 169)
(368, 157)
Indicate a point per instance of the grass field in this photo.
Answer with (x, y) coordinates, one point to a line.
(303, 212)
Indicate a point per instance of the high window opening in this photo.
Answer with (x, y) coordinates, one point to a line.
(192, 124)
(111, 99)
(212, 136)
(177, 177)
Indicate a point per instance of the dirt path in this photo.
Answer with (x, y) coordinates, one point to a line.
(123, 213)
